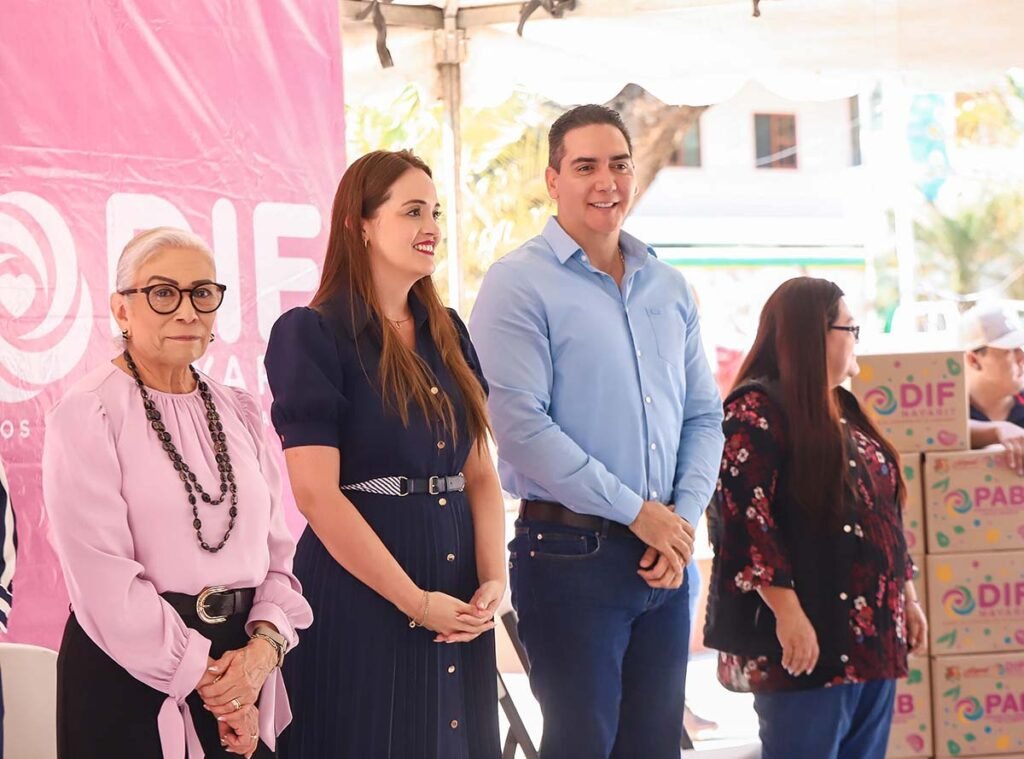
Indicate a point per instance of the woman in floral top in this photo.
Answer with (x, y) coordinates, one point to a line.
(812, 604)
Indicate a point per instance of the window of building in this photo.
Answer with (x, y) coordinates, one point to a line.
(775, 135)
(688, 152)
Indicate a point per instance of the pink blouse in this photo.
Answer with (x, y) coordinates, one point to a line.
(123, 530)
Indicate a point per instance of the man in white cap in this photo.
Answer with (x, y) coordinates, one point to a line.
(994, 345)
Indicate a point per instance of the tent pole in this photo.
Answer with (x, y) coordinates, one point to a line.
(450, 49)
(897, 115)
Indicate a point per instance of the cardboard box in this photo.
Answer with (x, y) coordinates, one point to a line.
(911, 733)
(973, 501)
(913, 509)
(976, 602)
(979, 704)
(921, 581)
(918, 400)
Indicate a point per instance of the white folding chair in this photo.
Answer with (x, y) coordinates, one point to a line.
(29, 676)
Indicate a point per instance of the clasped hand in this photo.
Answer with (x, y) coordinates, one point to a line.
(456, 621)
(230, 688)
(669, 538)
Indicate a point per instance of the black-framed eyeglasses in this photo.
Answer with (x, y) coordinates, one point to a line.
(853, 329)
(166, 298)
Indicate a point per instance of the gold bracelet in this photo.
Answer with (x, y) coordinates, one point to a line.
(413, 622)
(278, 649)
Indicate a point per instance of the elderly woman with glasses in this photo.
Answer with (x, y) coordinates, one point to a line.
(165, 505)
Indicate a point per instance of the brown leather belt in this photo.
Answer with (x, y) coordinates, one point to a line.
(549, 511)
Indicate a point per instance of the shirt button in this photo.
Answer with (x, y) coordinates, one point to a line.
(647, 399)
(440, 444)
(451, 669)
(847, 528)
(450, 557)
(442, 501)
(853, 463)
(654, 446)
(844, 658)
(433, 391)
(843, 596)
(454, 723)
(654, 494)
(639, 354)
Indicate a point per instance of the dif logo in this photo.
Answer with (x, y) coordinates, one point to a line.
(884, 400)
(40, 272)
(960, 602)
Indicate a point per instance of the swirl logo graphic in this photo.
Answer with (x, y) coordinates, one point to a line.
(44, 352)
(881, 400)
(969, 709)
(958, 601)
(958, 502)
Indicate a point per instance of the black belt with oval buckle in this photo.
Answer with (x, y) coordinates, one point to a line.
(213, 605)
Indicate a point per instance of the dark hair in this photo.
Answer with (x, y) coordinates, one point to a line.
(789, 349)
(581, 116)
(404, 376)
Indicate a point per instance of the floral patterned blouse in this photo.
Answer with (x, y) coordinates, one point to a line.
(753, 453)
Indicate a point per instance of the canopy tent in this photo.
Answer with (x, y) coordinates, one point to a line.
(685, 52)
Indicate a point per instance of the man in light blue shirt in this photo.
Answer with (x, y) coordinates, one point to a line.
(608, 424)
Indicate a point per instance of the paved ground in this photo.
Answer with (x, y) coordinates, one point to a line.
(736, 737)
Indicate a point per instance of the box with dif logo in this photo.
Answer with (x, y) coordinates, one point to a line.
(911, 733)
(918, 400)
(973, 501)
(978, 704)
(913, 509)
(976, 602)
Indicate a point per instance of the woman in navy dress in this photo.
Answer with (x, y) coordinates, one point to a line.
(381, 410)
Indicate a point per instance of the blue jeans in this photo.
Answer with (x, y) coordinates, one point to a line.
(842, 722)
(607, 653)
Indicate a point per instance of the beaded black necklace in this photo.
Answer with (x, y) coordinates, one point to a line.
(188, 477)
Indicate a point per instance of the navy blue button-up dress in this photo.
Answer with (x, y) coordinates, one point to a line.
(363, 684)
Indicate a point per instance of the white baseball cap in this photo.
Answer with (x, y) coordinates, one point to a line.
(988, 326)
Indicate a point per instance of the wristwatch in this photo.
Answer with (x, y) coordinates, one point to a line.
(274, 638)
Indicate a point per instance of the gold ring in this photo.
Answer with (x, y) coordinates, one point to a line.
(236, 703)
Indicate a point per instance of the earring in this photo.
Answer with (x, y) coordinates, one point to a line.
(212, 337)
(124, 334)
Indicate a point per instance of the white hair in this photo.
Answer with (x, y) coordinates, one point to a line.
(147, 244)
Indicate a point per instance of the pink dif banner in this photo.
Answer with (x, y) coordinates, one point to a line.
(224, 118)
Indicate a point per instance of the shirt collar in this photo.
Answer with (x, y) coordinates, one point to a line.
(564, 247)
(351, 313)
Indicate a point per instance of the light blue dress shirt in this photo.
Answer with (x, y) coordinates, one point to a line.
(600, 398)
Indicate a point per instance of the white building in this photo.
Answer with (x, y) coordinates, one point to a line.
(764, 189)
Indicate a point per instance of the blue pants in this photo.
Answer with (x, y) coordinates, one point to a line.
(607, 653)
(841, 722)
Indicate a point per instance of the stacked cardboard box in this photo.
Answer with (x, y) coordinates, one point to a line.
(919, 402)
(976, 592)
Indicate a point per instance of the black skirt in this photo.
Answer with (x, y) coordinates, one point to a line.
(103, 712)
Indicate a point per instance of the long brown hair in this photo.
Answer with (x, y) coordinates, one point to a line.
(403, 375)
(790, 351)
